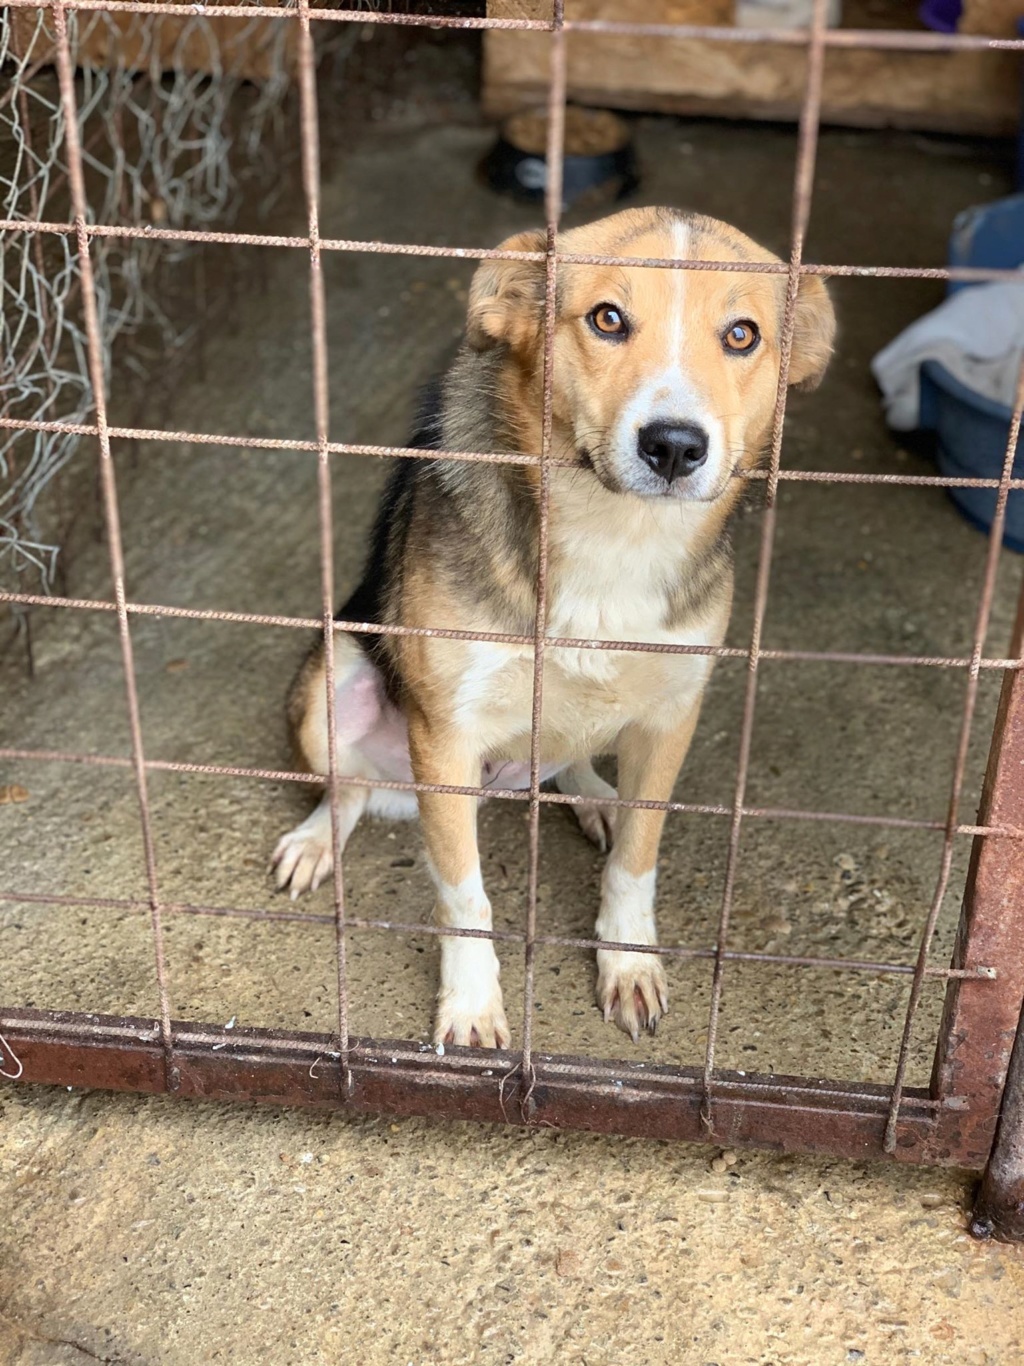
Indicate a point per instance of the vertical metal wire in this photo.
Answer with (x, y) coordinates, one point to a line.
(807, 147)
(94, 344)
(981, 623)
(553, 212)
(310, 133)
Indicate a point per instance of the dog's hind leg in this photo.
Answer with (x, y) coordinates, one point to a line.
(305, 856)
(597, 822)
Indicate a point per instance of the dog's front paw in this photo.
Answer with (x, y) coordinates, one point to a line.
(304, 857)
(474, 1020)
(632, 990)
(597, 823)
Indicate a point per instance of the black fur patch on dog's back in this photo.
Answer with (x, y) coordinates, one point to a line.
(366, 602)
(427, 425)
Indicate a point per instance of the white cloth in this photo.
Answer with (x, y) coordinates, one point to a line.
(977, 334)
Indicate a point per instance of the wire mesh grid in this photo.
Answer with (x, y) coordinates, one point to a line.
(158, 112)
(886, 1111)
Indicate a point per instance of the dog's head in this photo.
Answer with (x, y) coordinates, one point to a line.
(665, 380)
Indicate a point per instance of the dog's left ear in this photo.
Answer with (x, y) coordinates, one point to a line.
(814, 333)
(506, 298)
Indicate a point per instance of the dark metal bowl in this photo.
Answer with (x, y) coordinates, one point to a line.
(524, 175)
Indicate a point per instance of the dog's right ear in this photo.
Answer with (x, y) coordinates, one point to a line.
(506, 298)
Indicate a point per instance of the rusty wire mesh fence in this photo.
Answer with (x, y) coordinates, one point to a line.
(155, 147)
(951, 1121)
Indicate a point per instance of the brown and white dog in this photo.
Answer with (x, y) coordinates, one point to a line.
(664, 387)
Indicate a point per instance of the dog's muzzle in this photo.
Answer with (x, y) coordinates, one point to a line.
(673, 450)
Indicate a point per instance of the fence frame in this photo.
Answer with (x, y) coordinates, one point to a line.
(952, 1122)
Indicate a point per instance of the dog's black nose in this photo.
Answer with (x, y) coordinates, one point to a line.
(673, 449)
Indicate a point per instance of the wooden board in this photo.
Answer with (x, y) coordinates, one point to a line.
(245, 48)
(969, 92)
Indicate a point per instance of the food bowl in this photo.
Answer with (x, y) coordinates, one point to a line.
(599, 163)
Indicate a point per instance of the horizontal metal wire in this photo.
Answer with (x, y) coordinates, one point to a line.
(859, 965)
(270, 443)
(771, 813)
(209, 237)
(889, 39)
(506, 638)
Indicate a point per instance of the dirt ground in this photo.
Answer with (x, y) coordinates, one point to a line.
(145, 1231)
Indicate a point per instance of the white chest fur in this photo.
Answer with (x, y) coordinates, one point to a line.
(609, 588)
(612, 564)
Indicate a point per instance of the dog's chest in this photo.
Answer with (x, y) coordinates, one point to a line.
(589, 694)
(621, 595)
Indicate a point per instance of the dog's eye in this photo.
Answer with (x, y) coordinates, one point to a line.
(608, 321)
(741, 336)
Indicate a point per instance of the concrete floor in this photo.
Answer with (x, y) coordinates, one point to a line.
(162, 1233)
(143, 1231)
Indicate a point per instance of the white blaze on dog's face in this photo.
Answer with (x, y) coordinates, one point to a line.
(665, 379)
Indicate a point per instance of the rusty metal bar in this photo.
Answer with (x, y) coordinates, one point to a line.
(111, 510)
(786, 1114)
(494, 457)
(977, 1031)
(506, 638)
(803, 183)
(211, 237)
(310, 135)
(898, 40)
(510, 794)
(553, 213)
(983, 616)
(999, 1208)
(983, 972)
(38, 1024)
(891, 39)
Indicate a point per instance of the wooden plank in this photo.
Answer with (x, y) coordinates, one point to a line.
(250, 49)
(977, 92)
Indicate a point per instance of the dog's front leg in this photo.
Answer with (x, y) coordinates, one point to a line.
(469, 1004)
(631, 987)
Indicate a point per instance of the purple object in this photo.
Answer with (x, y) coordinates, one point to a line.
(943, 15)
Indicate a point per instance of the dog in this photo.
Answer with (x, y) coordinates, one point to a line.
(665, 385)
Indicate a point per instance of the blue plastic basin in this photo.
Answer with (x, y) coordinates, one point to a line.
(990, 236)
(972, 434)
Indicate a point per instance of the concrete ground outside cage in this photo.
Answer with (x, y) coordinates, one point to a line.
(140, 1231)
